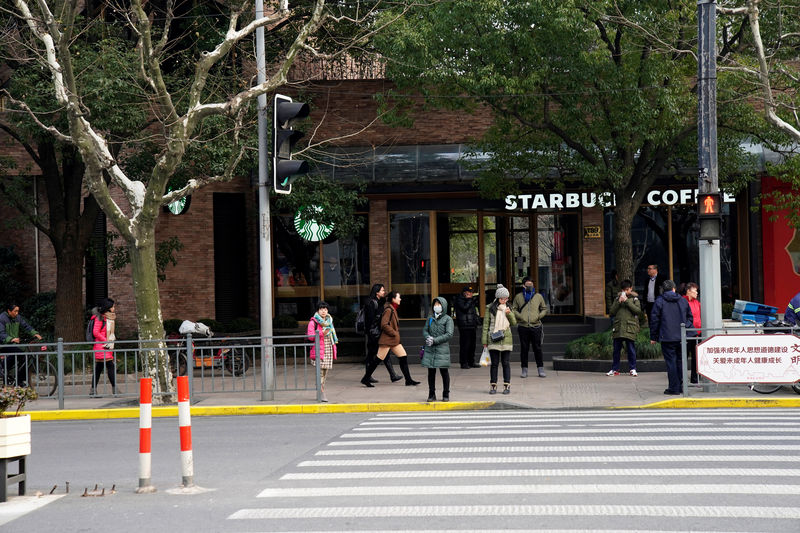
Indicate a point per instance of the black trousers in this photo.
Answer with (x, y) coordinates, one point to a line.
(110, 372)
(466, 346)
(691, 359)
(530, 338)
(498, 358)
(445, 380)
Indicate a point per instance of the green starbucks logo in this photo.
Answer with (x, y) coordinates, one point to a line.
(311, 230)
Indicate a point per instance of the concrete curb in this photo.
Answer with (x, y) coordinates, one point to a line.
(718, 403)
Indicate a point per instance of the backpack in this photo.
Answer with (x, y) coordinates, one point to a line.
(361, 323)
(90, 330)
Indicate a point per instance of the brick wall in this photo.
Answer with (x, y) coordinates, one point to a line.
(593, 266)
(378, 242)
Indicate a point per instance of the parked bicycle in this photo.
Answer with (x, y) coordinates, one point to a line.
(206, 352)
(41, 373)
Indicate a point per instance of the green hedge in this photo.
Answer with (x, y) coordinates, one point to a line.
(600, 346)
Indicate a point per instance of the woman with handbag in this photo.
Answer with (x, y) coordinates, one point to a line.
(437, 332)
(389, 341)
(496, 335)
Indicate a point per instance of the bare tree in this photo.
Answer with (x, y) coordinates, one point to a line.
(311, 29)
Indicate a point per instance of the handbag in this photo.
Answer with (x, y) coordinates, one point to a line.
(497, 336)
(485, 359)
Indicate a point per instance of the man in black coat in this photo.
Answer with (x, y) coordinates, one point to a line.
(467, 320)
(652, 288)
(669, 312)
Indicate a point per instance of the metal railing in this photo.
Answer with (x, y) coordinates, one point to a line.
(69, 370)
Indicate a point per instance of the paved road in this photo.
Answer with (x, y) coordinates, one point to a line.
(700, 470)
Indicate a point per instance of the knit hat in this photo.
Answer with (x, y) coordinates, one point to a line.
(501, 292)
(467, 288)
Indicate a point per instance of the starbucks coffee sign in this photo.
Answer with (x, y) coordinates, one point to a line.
(570, 200)
(311, 230)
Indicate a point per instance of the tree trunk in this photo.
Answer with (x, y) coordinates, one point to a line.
(148, 311)
(69, 296)
(623, 242)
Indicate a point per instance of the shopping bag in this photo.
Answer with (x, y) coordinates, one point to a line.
(485, 359)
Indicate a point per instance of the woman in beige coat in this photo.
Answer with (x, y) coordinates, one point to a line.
(496, 336)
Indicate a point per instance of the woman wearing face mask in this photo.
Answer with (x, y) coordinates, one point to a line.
(437, 333)
(496, 336)
(390, 341)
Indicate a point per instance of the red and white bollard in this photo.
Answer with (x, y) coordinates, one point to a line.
(145, 426)
(185, 428)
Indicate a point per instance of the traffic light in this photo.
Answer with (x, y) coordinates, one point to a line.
(709, 205)
(284, 137)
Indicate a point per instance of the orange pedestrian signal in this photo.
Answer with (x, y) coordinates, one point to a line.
(709, 204)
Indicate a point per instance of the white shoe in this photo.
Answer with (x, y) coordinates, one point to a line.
(633, 373)
(612, 373)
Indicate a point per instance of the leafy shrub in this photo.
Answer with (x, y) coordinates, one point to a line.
(18, 396)
(215, 326)
(242, 324)
(40, 311)
(347, 321)
(601, 346)
(172, 325)
(10, 273)
(284, 322)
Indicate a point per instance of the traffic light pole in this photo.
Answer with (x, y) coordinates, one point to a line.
(708, 181)
(265, 230)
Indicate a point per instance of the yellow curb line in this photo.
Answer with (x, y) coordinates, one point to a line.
(712, 403)
(288, 409)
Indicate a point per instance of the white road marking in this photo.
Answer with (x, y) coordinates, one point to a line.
(566, 438)
(412, 490)
(422, 511)
(17, 506)
(399, 461)
(521, 430)
(469, 450)
(550, 472)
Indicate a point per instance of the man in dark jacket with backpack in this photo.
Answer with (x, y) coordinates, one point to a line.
(670, 310)
(467, 320)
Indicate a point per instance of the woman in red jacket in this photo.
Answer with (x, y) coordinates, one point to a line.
(692, 291)
(104, 316)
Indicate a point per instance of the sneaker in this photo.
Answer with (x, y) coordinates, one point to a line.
(671, 392)
(541, 372)
(493, 390)
(506, 389)
(612, 373)
(524, 372)
(633, 373)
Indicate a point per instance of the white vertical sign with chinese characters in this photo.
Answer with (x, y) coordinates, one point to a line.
(750, 358)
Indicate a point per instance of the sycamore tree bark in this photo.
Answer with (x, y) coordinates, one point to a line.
(179, 114)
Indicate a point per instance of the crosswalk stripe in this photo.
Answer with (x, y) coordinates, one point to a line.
(598, 420)
(504, 425)
(676, 413)
(536, 438)
(550, 472)
(398, 461)
(526, 530)
(422, 511)
(522, 430)
(413, 490)
(694, 448)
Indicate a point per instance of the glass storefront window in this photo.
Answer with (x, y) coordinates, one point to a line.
(520, 248)
(409, 234)
(558, 262)
(490, 256)
(457, 242)
(650, 244)
(346, 272)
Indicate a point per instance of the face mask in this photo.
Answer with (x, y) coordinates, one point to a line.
(437, 309)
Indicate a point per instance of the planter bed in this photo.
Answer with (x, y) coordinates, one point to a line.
(604, 365)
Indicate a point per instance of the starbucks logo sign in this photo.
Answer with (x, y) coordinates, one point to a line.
(311, 230)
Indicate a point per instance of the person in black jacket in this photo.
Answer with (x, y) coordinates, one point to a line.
(653, 288)
(372, 319)
(669, 312)
(467, 320)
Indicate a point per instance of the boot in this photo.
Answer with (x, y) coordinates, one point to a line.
(432, 396)
(446, 396)
(406, 374)
(392, 374)
(371, 366)
(322, 396)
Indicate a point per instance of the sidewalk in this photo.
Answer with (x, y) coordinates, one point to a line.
(468, 390)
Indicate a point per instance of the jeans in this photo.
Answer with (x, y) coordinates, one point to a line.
(530, 338)
(466, 346)
(496, 356)
(631, 349)
(671, 352)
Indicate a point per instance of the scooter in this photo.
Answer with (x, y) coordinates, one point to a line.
(205, 353)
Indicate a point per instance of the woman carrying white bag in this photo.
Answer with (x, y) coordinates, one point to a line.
(496, 336)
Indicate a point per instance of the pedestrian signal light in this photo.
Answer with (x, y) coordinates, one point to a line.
(284, 169)
(709, 211)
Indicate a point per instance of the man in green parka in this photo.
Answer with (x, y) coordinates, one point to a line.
(627, 311)
(437, 333)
